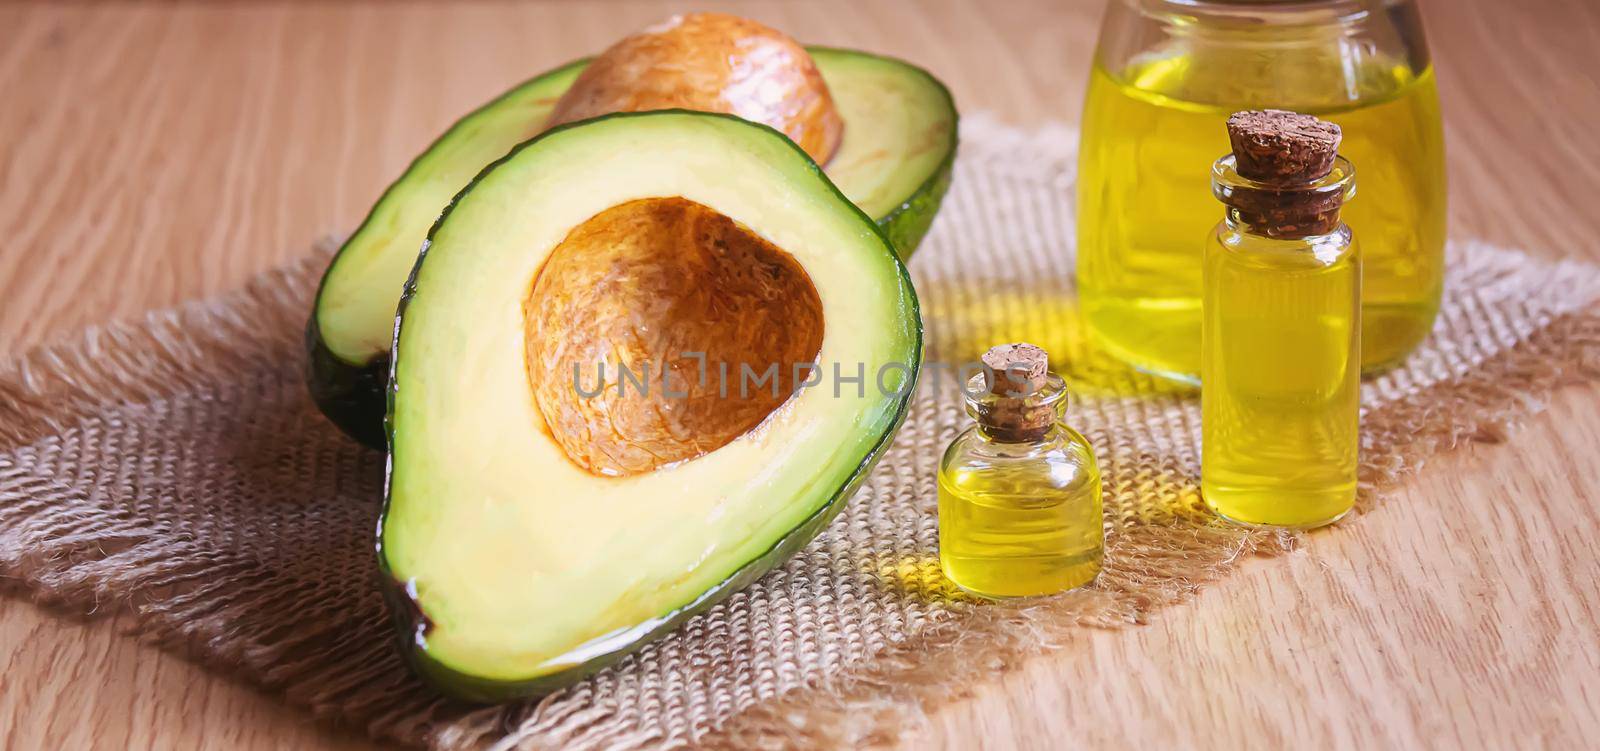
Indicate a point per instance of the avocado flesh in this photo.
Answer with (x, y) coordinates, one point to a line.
(352, 320)
(894, 162)
(899, 140)
(514, 569)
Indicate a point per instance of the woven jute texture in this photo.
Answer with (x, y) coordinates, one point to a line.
(173, 467)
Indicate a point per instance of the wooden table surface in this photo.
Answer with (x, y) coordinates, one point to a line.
(154, 153)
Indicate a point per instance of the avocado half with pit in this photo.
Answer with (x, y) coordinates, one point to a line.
(893, 160)
(642, 360)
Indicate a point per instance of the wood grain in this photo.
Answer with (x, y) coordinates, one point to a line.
(153, 153)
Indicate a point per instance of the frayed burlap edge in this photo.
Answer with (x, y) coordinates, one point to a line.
(158, 354)
(119, 563)
(134, 566)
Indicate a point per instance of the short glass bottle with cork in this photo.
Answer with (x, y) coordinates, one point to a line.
(1019, 491)
(1281, 333)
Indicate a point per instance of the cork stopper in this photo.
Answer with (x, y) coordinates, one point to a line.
(1019, 405)
(1016, 369)
(1282, 147)
(1285, 155)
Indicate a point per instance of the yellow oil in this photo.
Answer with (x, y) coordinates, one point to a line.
(1280, 361)
(1020, 522)
(1150, 134)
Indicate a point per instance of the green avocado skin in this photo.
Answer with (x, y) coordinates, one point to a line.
(909, 223)
(411, 625)
(351, 395)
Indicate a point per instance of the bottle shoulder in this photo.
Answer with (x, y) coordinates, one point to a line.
(1228, 246)
(1063, 460)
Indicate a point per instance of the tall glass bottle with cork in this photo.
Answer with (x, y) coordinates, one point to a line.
(1281, 332)
(1167, 73)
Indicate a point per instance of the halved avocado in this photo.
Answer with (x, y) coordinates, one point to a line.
(894, 162)
(538, 526)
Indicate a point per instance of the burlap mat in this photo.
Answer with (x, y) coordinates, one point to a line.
(174, 467)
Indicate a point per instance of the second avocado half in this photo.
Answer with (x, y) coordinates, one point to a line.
(894, 162)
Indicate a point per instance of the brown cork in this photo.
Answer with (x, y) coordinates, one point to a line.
(1017, 375)
(1016, 369)
(1286, 152)
(1282, 147)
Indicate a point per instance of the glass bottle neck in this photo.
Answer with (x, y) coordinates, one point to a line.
(1249, 223)
(1021, 419)
(995, 434)
(1291, 211)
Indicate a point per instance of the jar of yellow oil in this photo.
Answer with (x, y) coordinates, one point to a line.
(1019, 491)
(1281, 332)
(1167, 73)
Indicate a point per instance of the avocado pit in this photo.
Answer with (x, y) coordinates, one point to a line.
(711, 62)
(689, 302)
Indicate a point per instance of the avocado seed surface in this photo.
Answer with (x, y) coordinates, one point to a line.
(711, 62)
(685, 299)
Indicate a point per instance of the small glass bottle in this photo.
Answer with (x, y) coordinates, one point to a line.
(1019, 492)
(1281, 334)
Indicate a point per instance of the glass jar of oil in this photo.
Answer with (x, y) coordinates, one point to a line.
(1019, 491)
(1167, 74)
